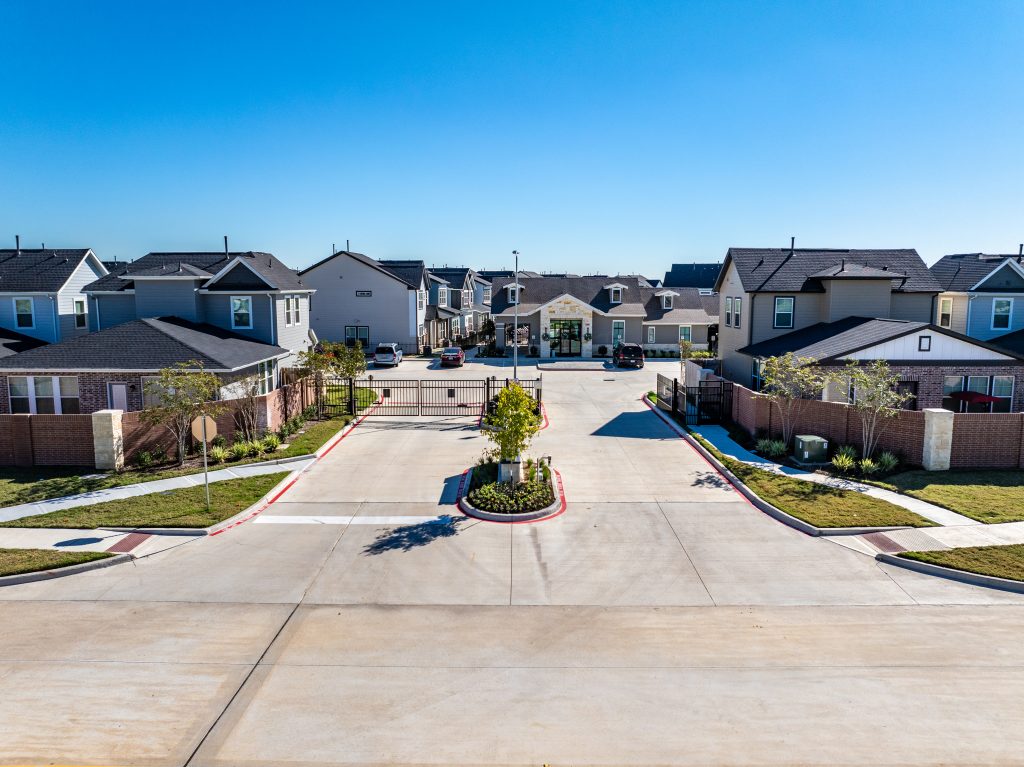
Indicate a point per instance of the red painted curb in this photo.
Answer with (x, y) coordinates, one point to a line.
(560, 512)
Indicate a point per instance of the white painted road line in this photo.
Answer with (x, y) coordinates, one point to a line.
(270, 519)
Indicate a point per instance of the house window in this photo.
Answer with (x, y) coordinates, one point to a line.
(265, 373)
(908, 388)
(357, 334)
(950, 386)
(421, 300)
(728, 312)
(151, 391)
(467, 298)
(296, 309)
(978, 384)
(422, 331)
(513, 295)
(442, 296)
(737, 310)
(25, 313)
(618, 332)
(523, 337)
(757, 375)
(783, 311)
(616, 295)
(666, 302)
(241, 312)
(1001, 310)
(81, 314)
(1002, 387)
(469, 323)
(945, 312)
(287, 311)
(685, 332)
(487, 294)
(924, 343)
(455, 327)
(44, 394)
(651, 330)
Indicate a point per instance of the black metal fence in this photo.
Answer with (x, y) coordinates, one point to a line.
(707, 402)
(413, 397)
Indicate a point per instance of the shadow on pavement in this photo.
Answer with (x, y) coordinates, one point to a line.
(410, 537)
(635, 425)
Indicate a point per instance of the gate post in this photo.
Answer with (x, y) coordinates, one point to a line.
(675, 395)
(351, 396)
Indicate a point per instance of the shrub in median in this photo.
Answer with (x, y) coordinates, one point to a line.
(506, 498)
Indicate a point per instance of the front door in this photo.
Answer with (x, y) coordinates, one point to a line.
(618, 332)
(118, 396)
(567, 337)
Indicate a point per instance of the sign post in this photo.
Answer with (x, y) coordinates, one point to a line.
(204, 428)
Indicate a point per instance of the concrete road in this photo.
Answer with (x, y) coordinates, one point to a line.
(660, 620)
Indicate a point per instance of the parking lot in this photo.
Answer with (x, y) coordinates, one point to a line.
(362, 620)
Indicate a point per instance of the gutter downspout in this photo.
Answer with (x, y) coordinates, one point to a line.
(273, 317)
(99, 321)
(56, 318)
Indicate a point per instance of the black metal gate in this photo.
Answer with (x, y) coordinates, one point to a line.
(707, 402)
(413, 397)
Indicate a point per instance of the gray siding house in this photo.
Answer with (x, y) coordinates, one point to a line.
(359, 299)
(982, 294)
(768, 292)
(42, 292)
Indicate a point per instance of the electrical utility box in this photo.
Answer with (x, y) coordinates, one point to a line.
(811, 449)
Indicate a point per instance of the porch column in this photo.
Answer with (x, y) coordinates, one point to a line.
(938, 439)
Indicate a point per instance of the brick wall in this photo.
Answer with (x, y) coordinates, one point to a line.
(929, 380)
(46, 440)
(987, 441)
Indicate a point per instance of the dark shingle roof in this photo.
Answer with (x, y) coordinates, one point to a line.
(962, 271)
(1011, 342)
(266, 266)
(830, 339)
(638, 298)
(435, 312)
(38, 270)
(363, 259)
(692, 275)
(148, 344)
(456, 275)
(15, 343)
(775, 270)
(410, 272)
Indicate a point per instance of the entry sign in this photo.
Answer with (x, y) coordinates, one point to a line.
(197, 428)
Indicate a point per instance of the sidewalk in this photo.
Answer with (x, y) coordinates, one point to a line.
(720, 438)
(146, 488)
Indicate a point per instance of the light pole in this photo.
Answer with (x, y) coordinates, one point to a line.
(515, 332)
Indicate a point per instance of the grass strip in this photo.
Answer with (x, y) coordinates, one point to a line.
(820, 505)
(997, 561)
(19, 561)
(185, 507)
(989, 496)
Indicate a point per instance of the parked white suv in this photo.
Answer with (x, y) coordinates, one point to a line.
(387, 354)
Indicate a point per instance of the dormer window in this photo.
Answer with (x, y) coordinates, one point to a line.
(616, 297)
(666, 302)
(513, 292)
(667, 297)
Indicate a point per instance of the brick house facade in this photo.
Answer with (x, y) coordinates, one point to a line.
(92, 389)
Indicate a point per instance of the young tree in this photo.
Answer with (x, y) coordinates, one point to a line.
(875, 399)
(515, 423)
(789, 382)
(182, 393)
(350, 360)
(247, 405)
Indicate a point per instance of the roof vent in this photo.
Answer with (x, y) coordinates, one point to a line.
(17, 245)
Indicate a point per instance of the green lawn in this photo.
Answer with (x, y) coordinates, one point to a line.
(998, 561)
(987, 496)
(820, 505)
(338, 395)
(42, 482)
(175, 508)
(18, 561)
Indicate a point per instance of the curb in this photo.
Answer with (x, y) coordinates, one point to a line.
(548, 512)
(755, 500)
(183, 531)
(60, 572)
(973, 579)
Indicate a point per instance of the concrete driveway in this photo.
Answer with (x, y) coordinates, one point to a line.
(660, 620)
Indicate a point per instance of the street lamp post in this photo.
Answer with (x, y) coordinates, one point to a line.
(515, 332)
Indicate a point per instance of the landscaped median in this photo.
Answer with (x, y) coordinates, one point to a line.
(989, 496)
(812, 508)
(183, 508)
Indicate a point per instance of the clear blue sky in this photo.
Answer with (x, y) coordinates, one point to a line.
(592, 136)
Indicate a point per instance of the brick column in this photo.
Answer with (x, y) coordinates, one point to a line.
(108, 439)
(21, 440)
(938, 439)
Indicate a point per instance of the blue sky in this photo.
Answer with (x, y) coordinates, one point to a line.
(591, 136)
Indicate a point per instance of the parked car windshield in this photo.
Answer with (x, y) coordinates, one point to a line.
(451, 350)
(385, 350)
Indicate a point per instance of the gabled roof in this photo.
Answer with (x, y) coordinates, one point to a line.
(961, 272)
(361, 258)
(456, 275)
(639, 299)
(15, 343)
(692, 275)
(409, 272)
(786, 270)
(827, 341)
(435, 312)
(39, 270)
(202, 265)
(147, 345)
(1010, 342)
